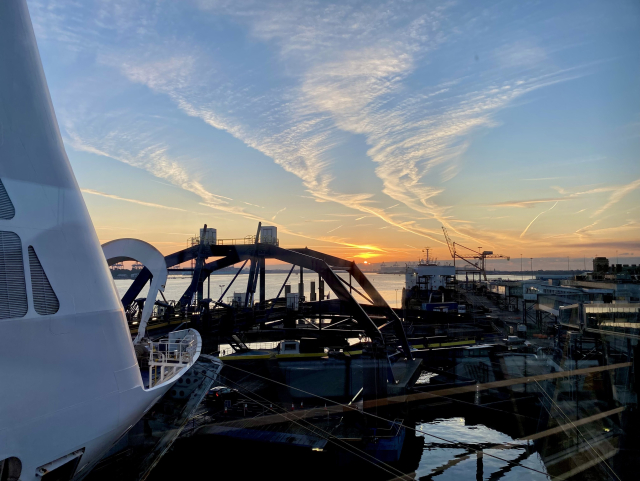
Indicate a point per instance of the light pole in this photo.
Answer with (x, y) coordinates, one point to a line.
(531, 267)
(396, 298)
(521, 272)
(221, 286)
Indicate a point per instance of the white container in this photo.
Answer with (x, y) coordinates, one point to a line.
(269, 235)
(238, 298)
(292, 301)
(210, 237)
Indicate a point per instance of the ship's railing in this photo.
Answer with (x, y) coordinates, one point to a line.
(169, 355)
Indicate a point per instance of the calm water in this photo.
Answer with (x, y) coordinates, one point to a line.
(434, 453)
(467, 437)
(446, 438)
(389, 285)
(443, 449)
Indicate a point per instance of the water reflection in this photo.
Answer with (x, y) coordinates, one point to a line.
(557, 400)
(472, 457)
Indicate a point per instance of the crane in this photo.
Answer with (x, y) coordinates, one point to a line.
(475, 258)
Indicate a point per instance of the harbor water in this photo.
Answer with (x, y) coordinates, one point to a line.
(388, 285)
(443, 443)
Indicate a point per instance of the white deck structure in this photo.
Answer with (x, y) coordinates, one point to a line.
(432, 276)
(70, 385)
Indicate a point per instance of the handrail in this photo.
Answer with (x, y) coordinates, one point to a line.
(171, 354)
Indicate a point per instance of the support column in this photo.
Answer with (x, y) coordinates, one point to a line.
(312, 293)
(479, 465)
(320, 298)
(262, 283)
(199, 295)
(301, 284)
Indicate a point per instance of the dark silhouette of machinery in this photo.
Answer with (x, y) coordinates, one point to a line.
(475, 258)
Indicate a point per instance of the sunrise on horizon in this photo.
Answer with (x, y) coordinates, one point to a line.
(358, 131)
(319, 240)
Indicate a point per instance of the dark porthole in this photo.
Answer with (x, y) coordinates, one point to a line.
(181, 393)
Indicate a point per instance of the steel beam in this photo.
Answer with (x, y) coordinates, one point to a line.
(371, 291)
(306, 259)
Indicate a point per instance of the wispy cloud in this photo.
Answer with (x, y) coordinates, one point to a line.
(587, 230)
(337, 71)
(535, 218)
(133, 201)
(332, 230)
(413, 135)
(617, 196)
(280, 211)
(527, 203)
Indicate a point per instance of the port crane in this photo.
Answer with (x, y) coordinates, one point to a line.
(475, 258)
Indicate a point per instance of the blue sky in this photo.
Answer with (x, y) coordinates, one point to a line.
(359, 128)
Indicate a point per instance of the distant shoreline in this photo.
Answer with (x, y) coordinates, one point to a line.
(296, 272)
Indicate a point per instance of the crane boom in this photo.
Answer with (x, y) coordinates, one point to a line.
(481, 256)
(450, 245)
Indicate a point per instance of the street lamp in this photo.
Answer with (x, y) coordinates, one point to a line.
(521, 272)
(531, 267)
(396, 298)
(221, 286)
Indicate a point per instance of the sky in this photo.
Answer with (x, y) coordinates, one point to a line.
(358, 128)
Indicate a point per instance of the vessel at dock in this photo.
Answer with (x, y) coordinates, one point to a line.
(71, 384)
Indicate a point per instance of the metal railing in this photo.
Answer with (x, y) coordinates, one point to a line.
(249, 239)
(172, 351)
(169, 355)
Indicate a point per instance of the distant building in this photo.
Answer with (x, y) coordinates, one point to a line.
(600, 265)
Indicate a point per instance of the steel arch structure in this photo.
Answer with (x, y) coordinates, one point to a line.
(320, 263)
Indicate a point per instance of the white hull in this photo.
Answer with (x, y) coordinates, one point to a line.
(69, 380)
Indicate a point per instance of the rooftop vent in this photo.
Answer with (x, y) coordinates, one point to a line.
(45, 300)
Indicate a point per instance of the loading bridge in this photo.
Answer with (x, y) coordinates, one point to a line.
(382, 325)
